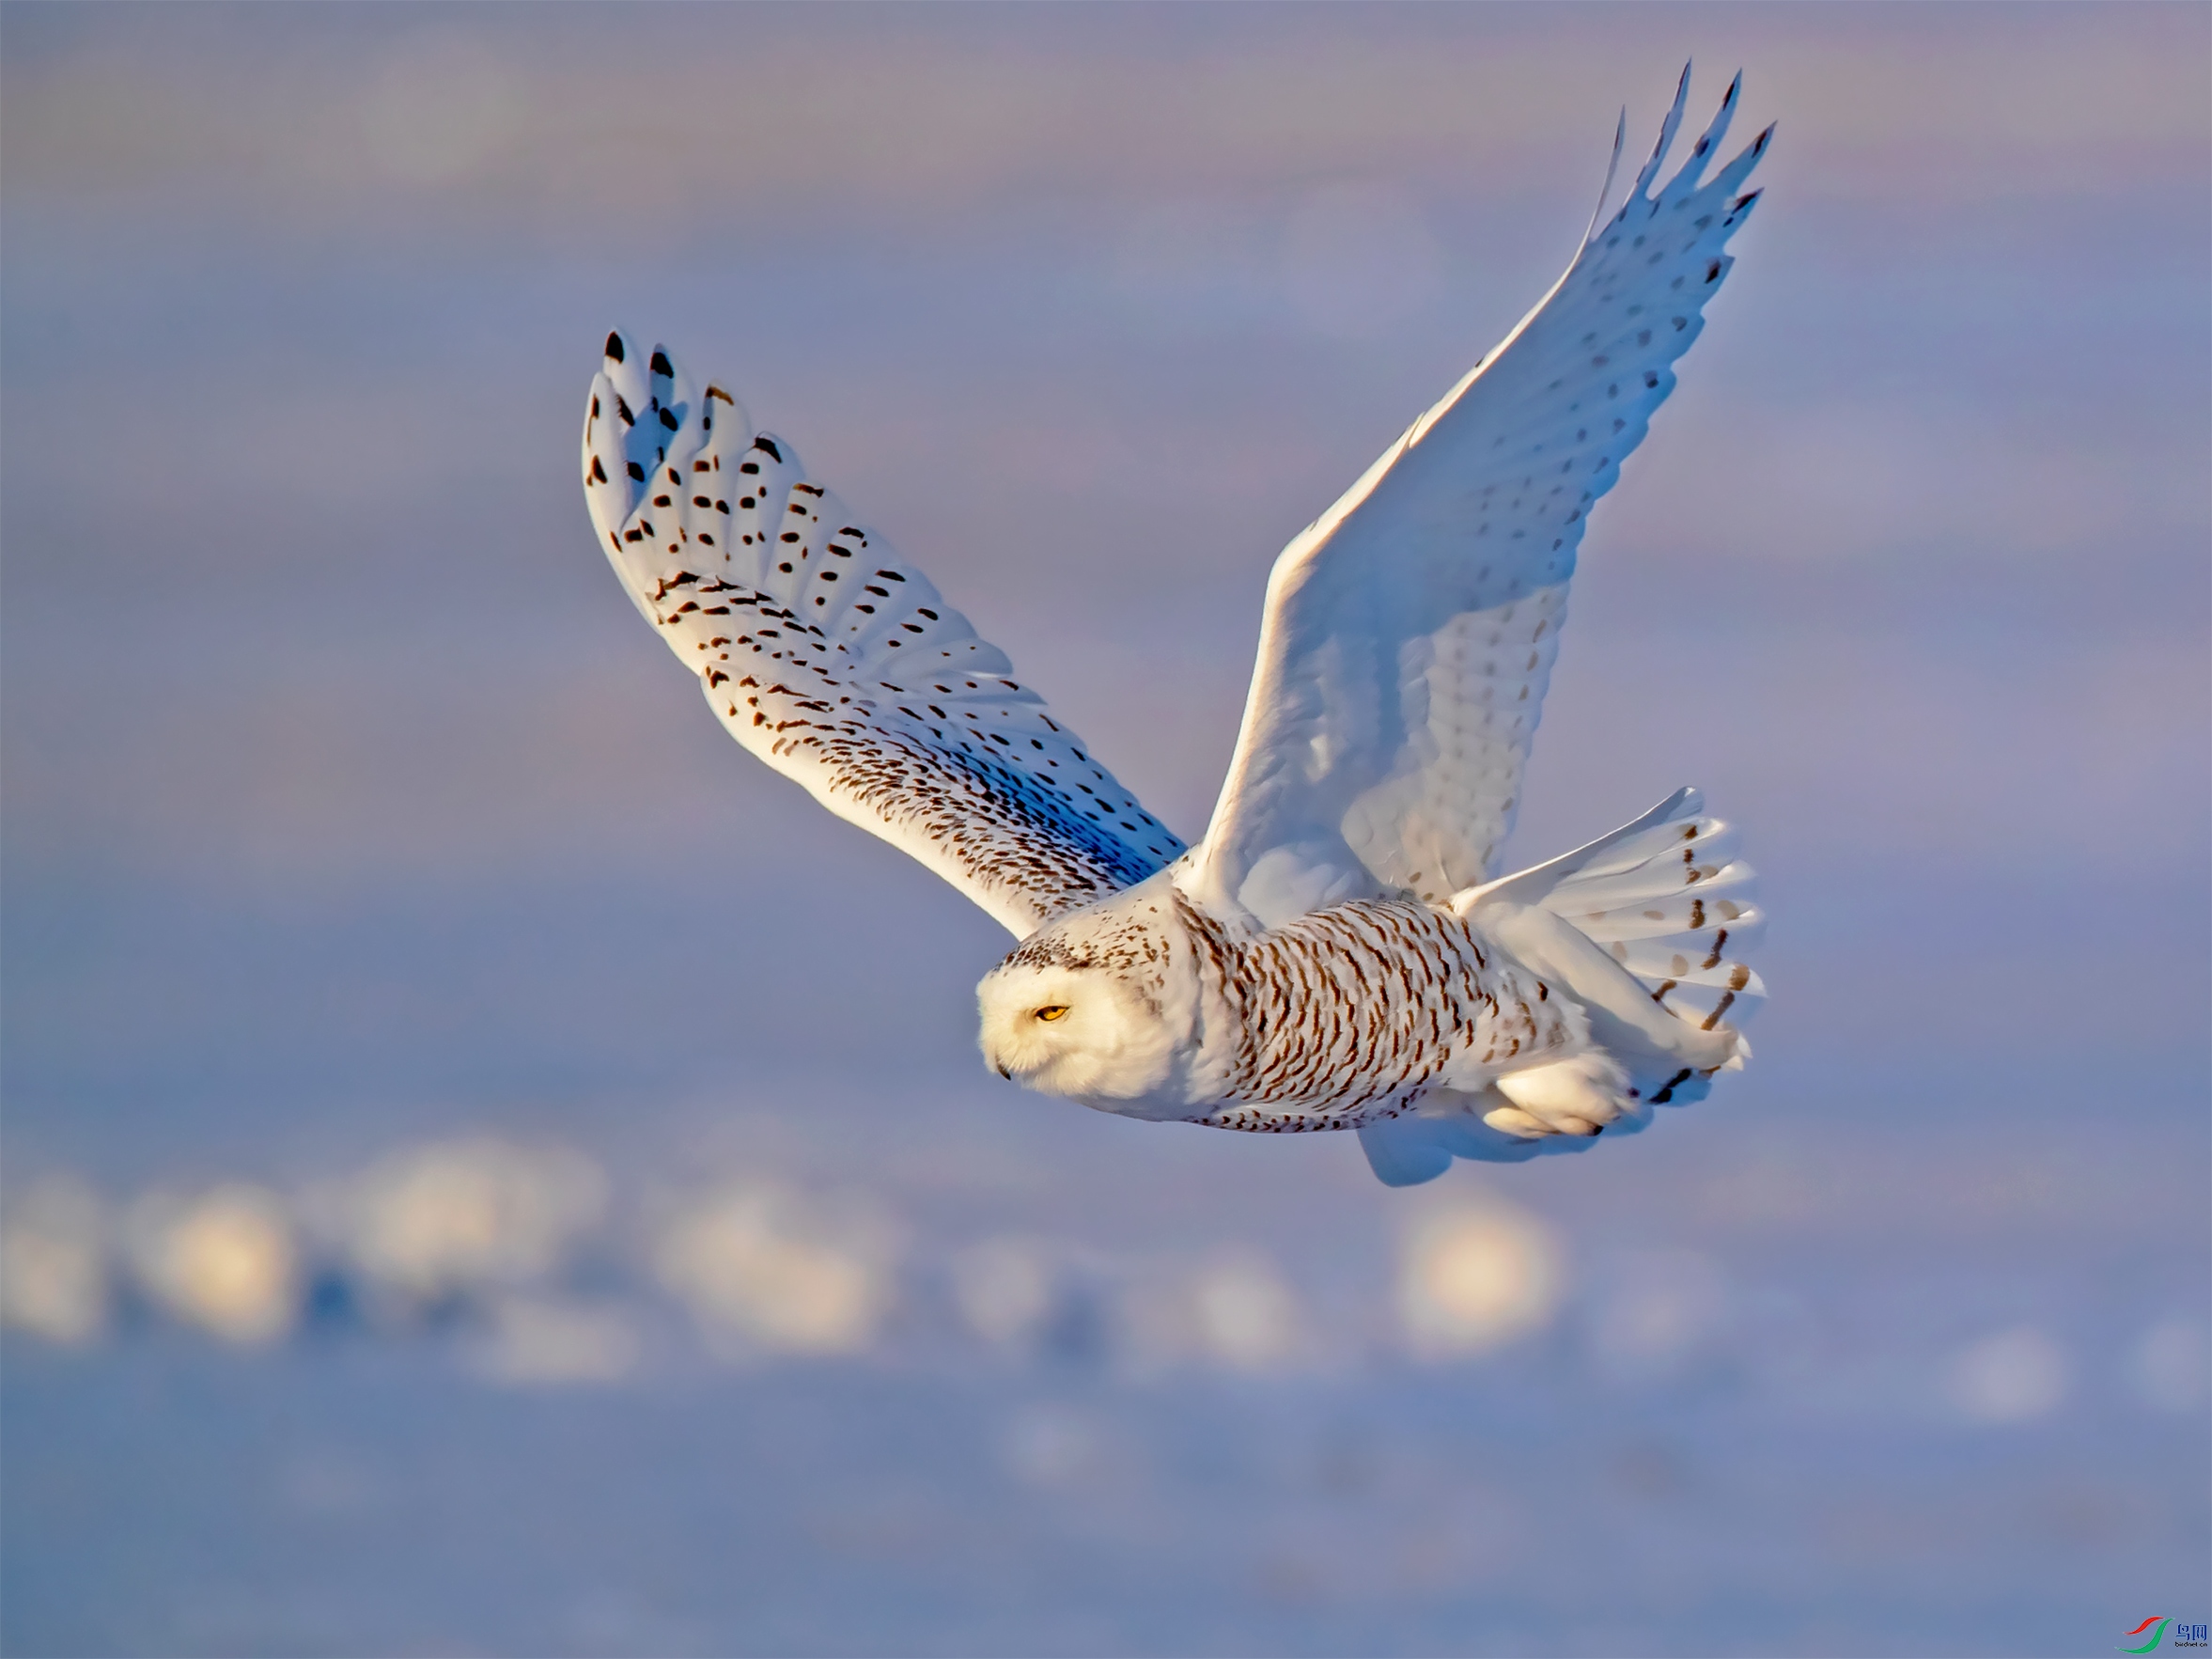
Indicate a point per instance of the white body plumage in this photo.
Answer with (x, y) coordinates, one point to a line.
(1337, 952)
(1480, 1029)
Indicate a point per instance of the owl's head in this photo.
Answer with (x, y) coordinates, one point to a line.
(1098, 1007)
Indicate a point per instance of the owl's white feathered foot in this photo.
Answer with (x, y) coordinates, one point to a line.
(1580, 1096)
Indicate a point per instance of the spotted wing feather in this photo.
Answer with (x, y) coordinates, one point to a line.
(1409, 632)
(839, 664)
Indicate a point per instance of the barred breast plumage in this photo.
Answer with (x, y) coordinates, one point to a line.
(1345, 1016)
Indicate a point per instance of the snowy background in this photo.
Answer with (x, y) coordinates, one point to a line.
(491, 1168)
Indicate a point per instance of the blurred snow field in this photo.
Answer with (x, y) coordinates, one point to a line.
(528, 1263)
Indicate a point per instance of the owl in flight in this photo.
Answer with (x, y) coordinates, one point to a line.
(1339, 951)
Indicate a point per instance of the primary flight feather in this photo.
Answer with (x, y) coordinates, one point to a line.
(1338, 952)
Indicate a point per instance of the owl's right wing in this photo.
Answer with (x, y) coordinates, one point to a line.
(836, 663)
(1409, 631)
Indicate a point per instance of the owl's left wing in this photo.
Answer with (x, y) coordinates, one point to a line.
(1409, 632)
(836, 661)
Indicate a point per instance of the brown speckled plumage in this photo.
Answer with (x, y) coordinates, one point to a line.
(1346, 1015)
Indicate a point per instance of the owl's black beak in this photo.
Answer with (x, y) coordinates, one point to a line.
(1007, 1075)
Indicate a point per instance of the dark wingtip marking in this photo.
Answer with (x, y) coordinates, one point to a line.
(615, 348)
(662, 364)
(768, 444)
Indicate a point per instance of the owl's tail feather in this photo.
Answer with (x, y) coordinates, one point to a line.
(1676, 907)
(1667, 897)
(1674, 912)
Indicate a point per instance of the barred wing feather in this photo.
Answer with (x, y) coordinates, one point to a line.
(1409, 631)
(837, 662)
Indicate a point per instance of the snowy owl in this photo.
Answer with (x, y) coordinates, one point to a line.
(1338, 951)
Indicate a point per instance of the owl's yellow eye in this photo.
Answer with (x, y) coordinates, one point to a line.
(1050, 1013)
